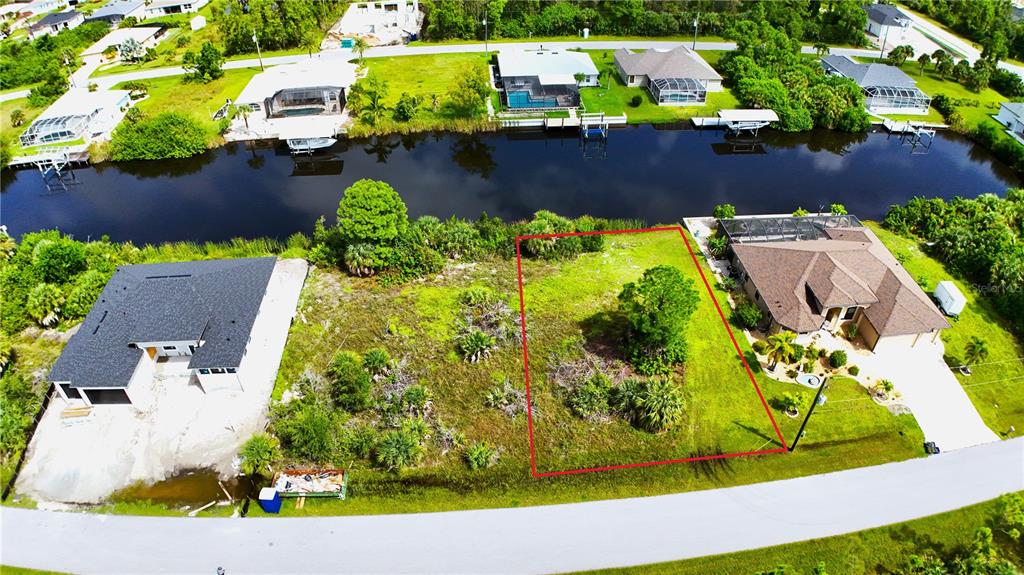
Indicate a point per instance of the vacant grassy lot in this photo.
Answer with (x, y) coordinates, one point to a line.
(10, 131)
(881, 550)
(997, 385)
(581, 40)
(416, 323)
(172, 94)
(613, 97)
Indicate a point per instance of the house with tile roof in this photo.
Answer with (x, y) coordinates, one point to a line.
(202, 310)
(674, 77)
(831, 277)
(887, 89)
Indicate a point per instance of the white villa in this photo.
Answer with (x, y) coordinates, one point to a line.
(146, 36)
(381, 23)
(886, 25)
(168, 7)
(537, 79)
(78, 115)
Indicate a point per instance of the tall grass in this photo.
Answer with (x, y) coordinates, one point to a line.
(294, 247)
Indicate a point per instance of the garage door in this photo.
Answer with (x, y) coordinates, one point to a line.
(107, 396)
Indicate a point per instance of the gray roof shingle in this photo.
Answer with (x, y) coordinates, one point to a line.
(215, 301)
(679, 62)
(885, 14)
(116, 8)
(866, 75)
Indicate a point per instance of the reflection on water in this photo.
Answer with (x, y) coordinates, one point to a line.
(659, 174)
(192, 488)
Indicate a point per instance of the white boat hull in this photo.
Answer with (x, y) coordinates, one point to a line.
(306, 145)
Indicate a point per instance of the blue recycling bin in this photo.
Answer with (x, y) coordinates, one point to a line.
(270, 500)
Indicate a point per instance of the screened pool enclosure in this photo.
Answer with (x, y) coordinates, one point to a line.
(53, 130)
(783, 228)
(310, 101)
(678, 91)
(531, 92)
(910, 98)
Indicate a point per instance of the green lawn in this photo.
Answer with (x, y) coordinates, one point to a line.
(613, 97)
(997, 386)
(8, 106)
(416, 322)
(876, 551)
(592, 38)
(424, 76)
(172, 94)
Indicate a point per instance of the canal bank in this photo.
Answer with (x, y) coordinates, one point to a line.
(656, 173)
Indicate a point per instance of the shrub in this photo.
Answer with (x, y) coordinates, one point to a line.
(57, 260)
(478, 295)
(376, 361)
(166, 135)
(658, 308)
(410, 259)
(480, 455)
(851, 330)
(475, 345)
(837, 359)
(789, 403)
(591, 243)
(799, 212)
(83, 295)
(544, 223)
(360, 441)
(364, 259)
(259, 454)
(454, 238)
(416, 398)
(659, 405)
(853, 370)
(635, 101)
(724, 212)
(590, 398)
(416, 427)
(728, 283)
(308, 429)
(350, 383)
(748, 315)
(371, 212)
(396, 450)
(43, 304)
(718, 246)
(760, 346)
(406, 107)
(17, 117)
(797, 355)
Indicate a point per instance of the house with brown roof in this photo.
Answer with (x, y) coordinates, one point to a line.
(834, 277)
(675, 77)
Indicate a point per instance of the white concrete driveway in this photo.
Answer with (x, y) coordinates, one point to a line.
(940, 405)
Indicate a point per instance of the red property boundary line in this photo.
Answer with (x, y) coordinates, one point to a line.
(732, 338)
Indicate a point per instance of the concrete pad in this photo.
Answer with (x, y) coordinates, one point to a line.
(183, 428)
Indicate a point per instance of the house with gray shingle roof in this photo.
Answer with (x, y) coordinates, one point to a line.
(886, 24)
(55, 23)
(118, 10)
(839, 275)
(674, 77)
(887, 89)
(202, 310)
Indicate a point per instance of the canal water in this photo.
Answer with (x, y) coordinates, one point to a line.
(659, 174)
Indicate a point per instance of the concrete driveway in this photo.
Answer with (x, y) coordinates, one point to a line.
(931, 391)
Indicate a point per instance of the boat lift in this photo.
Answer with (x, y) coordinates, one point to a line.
(52, 163)
(911, 133)
(594, 135)
(739, 121)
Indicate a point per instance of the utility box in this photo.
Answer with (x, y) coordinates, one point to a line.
(197, 23)
(270, 500)
(586, 33)
(347, 42)
(950, 299)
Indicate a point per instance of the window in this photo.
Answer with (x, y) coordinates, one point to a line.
(204, 371)
(850, 312)
(232, 370)
(170, 347)
(757, 295)
(217, 370)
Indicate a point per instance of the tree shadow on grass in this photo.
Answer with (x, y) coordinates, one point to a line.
(604, 332)
(712, 469)
(771, 439)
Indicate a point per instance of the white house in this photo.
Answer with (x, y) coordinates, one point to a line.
(55, 23)
(384, 22)
(117, 10)
(537, 79)
(1011, 115)
(887, 26)
(202, 310)
(43, 6)
(676, 77)
(169, 7)
(146, 36)
(78, 114)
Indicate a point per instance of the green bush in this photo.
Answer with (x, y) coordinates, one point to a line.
(635, 101)
(590, 398)
(748, 315)
(360, 441)
(724, 212)
(371, 211)
(837, 359)
(350, 383)
(416, 398)
(166, 135)
(657, 405)
(760, 346)
(853, 370)
(455, 239)
(376, 361)
(84, 293)
(478, 295)
(259, 454)
(58, 260)
(43, 304)
(797, 355)
(658, 308)
(547, 223)
(475, 345)
(481, 455)
(309, 430)
(411, 259)
(718, 246)
(396, 450)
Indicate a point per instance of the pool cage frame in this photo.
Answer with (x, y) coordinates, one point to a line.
(679, 91)
(327, 99)
(552, 96)
(54, 130)
(898, 97)
(783, 228)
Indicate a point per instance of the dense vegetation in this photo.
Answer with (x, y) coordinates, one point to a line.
(277, 24)
(978, 239)
(987, 22)
(840, 21)
(28, 62)
(166, 135)
(767, 71)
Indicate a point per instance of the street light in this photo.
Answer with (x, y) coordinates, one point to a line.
(695, 18)
(485, 36)
(258, 52)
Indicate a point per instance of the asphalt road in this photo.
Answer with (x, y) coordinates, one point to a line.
(545, 539)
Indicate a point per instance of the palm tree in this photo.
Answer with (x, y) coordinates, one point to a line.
(821, 48)
(780, 346)
(359, 45)
(976, 350)
(311, 41)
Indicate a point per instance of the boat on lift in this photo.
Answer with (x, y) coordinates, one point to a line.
(309, 145)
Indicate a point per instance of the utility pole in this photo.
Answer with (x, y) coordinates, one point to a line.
(885, 38)
(485, 36)
(71, 72)
(259, 54)
(695, 18)
(810, 410)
